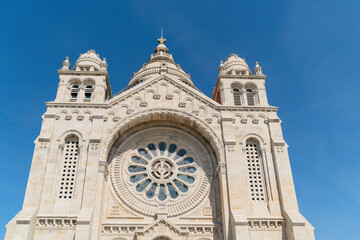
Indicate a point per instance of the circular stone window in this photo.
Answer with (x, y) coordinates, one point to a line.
(161, 169)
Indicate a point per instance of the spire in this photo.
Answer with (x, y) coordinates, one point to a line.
(161, 47)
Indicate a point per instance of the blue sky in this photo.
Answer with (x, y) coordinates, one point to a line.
(309, 50)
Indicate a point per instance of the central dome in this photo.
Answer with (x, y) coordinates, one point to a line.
(161, 61)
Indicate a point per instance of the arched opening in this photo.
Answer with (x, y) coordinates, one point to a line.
(255, 170)
(237, 97)
(250, 97)
(162, 238)
(148, 136)
(89, 86)
(74, 91)
(88, 91)
(69, 162)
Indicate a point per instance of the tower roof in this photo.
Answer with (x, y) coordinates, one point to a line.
(161, 61)
(91, 59)
(234, 64)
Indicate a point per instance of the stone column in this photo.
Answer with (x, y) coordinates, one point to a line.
(221, 173)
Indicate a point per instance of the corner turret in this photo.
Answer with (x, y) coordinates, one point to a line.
(87, 81)
(238, 86)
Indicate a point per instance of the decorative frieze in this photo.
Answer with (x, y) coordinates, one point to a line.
(266, 224)
(198, 229)
(115, 229)
(128, 229)
(47, 222)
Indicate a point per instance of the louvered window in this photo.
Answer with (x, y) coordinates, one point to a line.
(237, 97)
(69, 168)
(254, 165)
(250, 96)
(88, 91)
(74, 91)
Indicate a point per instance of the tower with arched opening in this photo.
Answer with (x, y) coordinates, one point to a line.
(160, 160)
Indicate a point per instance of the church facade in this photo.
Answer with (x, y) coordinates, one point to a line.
(160, 160)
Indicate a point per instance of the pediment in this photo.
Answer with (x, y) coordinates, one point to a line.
(128, 92)
(162, 227)
(163, 91)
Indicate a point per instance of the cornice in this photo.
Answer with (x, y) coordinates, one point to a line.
(249, 109)
(73, 72)
(110, 104)
(76, 105)
(262, 77)
(88, 73)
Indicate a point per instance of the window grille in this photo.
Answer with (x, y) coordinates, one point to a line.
(237, 98)
(69, 168)
(250, 97)
(254, 164)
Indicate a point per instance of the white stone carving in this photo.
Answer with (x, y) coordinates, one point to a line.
(164, 168)
(66, 223)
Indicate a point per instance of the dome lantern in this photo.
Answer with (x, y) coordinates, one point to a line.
(89, 61)
(160, 62)
(234, 65)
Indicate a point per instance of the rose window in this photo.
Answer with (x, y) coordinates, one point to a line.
(162, 171)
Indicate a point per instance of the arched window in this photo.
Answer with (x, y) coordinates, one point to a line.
(250, 96)
(237, 97)
(88, 92)
(255, 171)
(74, 91)
(70, 159)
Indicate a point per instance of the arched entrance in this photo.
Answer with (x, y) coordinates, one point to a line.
(162, 238)
(164, 163)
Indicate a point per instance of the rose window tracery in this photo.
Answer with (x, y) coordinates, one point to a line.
(161, 168)
(162, 171)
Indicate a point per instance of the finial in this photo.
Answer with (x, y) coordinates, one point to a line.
(258, 69)
(161, 40)
(66, 64)
(103, 64)
(221, 67)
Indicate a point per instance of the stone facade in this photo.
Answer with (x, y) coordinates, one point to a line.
(160, 160)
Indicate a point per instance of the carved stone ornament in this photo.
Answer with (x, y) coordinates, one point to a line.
(167, 114)
(168, 172)
(162, 228)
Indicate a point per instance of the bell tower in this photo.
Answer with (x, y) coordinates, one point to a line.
(160, 160)
(236, 85)
(86, 82)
